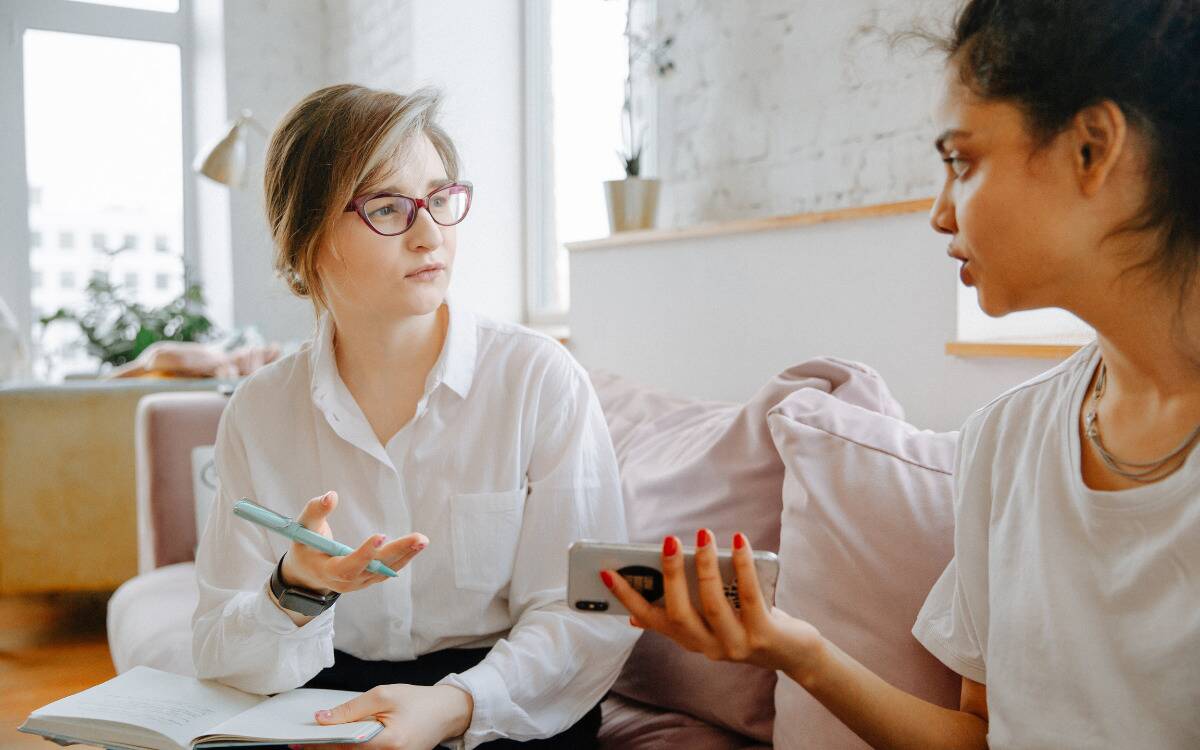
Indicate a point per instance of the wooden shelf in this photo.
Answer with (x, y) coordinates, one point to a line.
(1013, 349)
(646, 236)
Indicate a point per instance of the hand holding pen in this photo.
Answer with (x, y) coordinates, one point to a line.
(322, 572)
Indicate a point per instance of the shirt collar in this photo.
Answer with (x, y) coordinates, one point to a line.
(455, 365)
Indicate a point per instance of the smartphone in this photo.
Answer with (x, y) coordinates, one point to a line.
(641, 566)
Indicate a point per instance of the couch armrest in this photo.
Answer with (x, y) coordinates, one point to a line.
(169, 426)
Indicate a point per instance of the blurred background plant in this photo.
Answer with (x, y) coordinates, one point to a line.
(118, 329)
(648, 51)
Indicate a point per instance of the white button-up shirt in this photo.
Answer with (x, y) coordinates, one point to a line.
(506, 462)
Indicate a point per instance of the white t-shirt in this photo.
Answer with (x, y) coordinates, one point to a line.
(506, 462)
(1080, 609)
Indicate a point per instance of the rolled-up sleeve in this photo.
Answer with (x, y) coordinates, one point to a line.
(555, 664)
(239, 635)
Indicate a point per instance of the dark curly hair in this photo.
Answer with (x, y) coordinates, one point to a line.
(1053, 58)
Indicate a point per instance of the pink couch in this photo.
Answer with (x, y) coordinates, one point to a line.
(818, 465)
(149, 615)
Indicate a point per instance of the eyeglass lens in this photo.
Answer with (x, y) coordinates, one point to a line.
(395, 214)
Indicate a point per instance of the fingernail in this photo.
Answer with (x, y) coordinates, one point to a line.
(378, 541)
(739, 540)
(670, 546)
(607, 578)
(701, 537)
(323, 716)
(326, 500)
(418, 547)
(635, 623)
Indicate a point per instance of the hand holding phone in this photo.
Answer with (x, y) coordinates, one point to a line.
(641, 567)
(717, 604)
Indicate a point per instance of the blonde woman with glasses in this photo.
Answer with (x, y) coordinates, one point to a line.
(466, 453)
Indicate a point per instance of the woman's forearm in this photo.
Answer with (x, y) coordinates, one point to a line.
(883, 715)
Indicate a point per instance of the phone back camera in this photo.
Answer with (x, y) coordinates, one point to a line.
(591, 606)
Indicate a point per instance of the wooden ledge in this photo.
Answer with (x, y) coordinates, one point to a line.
(1013, 349)
(646, 236)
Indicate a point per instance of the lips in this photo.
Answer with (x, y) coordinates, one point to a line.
(426, 271)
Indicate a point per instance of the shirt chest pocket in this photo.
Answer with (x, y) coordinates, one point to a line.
(485, 528)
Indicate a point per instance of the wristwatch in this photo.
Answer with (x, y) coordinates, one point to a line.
(299, 600)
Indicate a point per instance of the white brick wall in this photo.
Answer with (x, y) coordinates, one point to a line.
(370, 42)
(786, 106)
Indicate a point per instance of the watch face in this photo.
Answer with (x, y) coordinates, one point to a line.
(306, 604)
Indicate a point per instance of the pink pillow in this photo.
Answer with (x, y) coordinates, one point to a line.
(688, 464)
(868, 523)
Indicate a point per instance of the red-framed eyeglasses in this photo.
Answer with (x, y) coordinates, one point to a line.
(390, 214)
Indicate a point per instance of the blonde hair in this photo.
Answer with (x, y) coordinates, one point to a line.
(331, 145)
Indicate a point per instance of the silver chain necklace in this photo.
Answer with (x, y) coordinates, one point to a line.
(1138, 472)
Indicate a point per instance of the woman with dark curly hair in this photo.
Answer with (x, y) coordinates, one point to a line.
(1070, 130)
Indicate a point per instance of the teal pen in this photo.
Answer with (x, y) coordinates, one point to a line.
(291, 528)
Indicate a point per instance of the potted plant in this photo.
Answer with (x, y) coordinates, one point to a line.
(633, 201)
(118, 329)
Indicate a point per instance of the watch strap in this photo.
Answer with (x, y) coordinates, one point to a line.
(300, 600)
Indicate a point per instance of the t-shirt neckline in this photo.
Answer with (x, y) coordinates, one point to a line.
(1133, 499)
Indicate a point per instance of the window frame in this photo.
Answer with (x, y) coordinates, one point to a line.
(68, 16)
(541, 248)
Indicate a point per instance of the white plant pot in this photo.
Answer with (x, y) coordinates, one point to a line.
(632, 203)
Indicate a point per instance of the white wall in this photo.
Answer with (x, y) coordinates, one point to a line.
(715, 317)
(779, 107)
(273, 57)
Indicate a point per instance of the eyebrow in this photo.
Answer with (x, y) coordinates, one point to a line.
(430, 185)
(940, 143)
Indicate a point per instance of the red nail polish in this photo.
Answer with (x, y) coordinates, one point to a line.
(701, 537)
(607, 578)
(670, 546)
(739, 540)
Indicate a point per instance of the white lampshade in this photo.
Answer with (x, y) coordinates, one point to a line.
(225, 160)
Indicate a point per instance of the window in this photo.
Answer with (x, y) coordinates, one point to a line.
(131, 282)
(1049, 326)
(162, 281)
(105, 165)
(35, 240)
(36, 280)
(100, 276)
(161, 244)
(576, 68)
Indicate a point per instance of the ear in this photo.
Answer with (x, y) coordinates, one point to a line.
(1100, 132)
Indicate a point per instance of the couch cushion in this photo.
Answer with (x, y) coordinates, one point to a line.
(150, 620)
(867, 528)
(629, 725)
(687, 464)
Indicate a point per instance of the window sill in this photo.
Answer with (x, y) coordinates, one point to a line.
(1058, 350)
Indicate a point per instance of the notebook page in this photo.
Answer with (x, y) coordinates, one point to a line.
(289, 717)
(175, 706)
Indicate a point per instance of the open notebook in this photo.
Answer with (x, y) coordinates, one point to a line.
(147, 709)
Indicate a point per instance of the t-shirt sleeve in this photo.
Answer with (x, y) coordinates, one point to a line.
(952, 624)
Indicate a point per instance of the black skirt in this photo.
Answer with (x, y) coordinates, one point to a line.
(351, 673)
